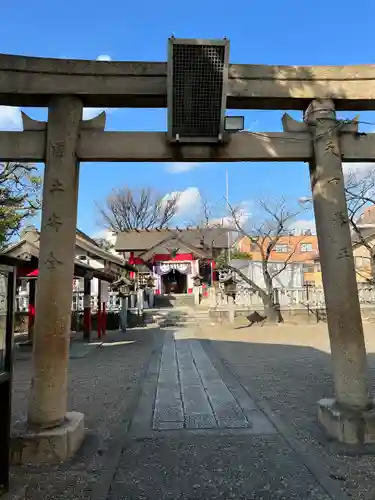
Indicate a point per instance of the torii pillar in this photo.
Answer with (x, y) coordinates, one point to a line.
(350, 416)
(52, 433)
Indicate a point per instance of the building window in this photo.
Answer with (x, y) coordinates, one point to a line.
(281, 248)
(306, 247)
(362, 262)
(366, 261)
(308, 268)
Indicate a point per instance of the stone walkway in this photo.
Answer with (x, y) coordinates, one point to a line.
(197, 434)
(218, 413)
(191, 394)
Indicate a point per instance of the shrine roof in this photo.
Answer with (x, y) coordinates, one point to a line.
(162, 239)
(29, 243)
(27, 249)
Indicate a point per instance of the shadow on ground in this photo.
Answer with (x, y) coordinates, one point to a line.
(285, 381)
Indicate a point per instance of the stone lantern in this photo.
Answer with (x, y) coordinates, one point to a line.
(150, 282)
(124, 290)
(230, 286)
(197, 280)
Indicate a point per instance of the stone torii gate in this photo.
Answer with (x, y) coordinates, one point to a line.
(322, 141)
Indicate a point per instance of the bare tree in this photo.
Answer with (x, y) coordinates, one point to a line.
(264, 236)
(125, 209)
(274, 224)
(360, 193)
(104, 244)
(20, 187)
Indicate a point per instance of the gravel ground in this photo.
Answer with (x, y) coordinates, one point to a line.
(289, 369)
(285, 368)
(103, 385)
(201, 468)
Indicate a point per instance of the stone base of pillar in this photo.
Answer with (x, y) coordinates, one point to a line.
(346, 425)
(48, 445)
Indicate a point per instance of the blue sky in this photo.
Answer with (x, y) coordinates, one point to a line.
(269, 32)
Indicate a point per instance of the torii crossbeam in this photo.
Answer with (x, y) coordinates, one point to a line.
(322, 141)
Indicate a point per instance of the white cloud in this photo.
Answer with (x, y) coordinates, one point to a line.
(104, 57)
(189, 202)
(180, 167)
(299, 226)
(242, 214)
(89, 113)
(359, 168)
(105, 234)
(226, 221)
(10, 118)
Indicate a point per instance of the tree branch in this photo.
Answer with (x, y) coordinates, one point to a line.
(126, 210)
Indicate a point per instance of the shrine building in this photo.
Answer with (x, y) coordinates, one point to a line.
(173, 257)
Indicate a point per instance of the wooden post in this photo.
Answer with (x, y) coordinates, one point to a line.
(99, 311)
(124, 312)
(104, 318)
(87, 308)
(31, 309)
(48, 395)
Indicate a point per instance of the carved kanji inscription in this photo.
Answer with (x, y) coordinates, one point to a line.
(58, 149)
(341, 218)
(54, 221)
(343, 253)
(331, 148)
(51, 261)
(56, 185)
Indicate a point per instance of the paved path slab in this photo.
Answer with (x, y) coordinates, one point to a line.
(168, 412)
(191, 394)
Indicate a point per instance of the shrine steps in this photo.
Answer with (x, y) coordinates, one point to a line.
(174, 300)
(178, 317)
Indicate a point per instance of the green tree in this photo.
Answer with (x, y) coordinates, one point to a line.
(20, 188)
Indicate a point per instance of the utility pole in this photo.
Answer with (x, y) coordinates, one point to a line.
(227, 200)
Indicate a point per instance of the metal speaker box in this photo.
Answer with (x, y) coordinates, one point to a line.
(197, 89)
